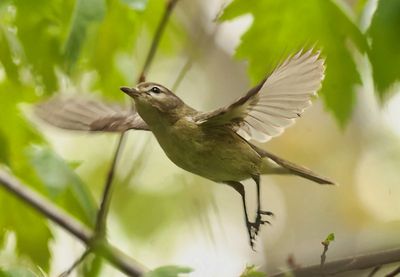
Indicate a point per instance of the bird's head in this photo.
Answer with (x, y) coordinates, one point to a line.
(152, 96)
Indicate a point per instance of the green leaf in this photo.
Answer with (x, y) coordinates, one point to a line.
(8, 49)
(18, 272)
(63, 184)
(41, 34)
(86, 12)
(4, 152)
(251, 271)
(168, 271)
(31, 230)
(385, 51)
(329, 239)
(283, 27)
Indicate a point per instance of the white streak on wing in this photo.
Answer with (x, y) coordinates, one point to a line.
(283, 97)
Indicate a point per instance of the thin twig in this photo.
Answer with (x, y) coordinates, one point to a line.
(394, 272)
(358, 262)
(107, 192)
(127, 265)
(374, 270)
(323, 255)
(100, 228)
(76, 263)
(156, 39)
(291, 262)
(185, 68)
(45, 207)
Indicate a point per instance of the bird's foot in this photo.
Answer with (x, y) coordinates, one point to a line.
(254, 227)
(252, 236)
(260, 221)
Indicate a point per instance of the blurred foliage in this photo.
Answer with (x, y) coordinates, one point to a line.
(133, 201)
(251, 271)
(63, 185)
(385, 51)
(17, 134)
(86, 12)
(330, 238)
(45, 44)
(61, 38)
(282, 27)
(91, 266)
(18, 272)
(168, 271)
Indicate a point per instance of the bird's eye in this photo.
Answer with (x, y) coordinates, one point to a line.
(155, 90)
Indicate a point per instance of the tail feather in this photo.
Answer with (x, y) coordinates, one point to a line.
(294, 168)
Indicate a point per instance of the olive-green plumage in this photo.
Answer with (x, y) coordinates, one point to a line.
(214, 144)
(217, 153)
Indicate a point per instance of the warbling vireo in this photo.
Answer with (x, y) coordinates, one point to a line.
(212, 144)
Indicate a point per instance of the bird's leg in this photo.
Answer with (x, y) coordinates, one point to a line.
(240, 189)
(259, 221)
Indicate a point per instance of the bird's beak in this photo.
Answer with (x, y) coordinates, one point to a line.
(130, 91)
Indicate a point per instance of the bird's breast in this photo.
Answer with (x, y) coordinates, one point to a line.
(219, 155)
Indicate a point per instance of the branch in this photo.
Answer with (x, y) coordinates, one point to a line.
(347, 264)
(45, 207)
(394, 272)
(68, 223)
(325, 243)
(156, 39)
(76, 263)
(185, 68)
(100, 229)
(374, 270)
(106, 198)
(101, 220)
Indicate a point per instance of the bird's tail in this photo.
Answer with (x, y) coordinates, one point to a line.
(287, 167)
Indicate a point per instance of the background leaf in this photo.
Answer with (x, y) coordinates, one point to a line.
(86, 12)
(6, 51)
(168, 271)
(330, 238)
(63, 184)
(18, 272)
(385, 51)
(31, 229)
(42, 35)
(139, 5)
(284, 27)
(251, 271)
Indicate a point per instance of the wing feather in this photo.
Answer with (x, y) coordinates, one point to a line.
(266, 110)
(82, 114)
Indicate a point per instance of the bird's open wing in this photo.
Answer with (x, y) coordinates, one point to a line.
(267, 109)
(82, 114)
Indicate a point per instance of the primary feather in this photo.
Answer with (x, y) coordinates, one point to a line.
(266, 110)
(82, 114)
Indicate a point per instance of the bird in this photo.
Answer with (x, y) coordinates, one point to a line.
(216, 145)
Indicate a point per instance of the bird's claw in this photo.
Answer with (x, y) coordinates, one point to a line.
(254, 227)
(266, 213)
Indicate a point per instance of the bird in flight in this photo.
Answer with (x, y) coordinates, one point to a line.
(215, 145)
